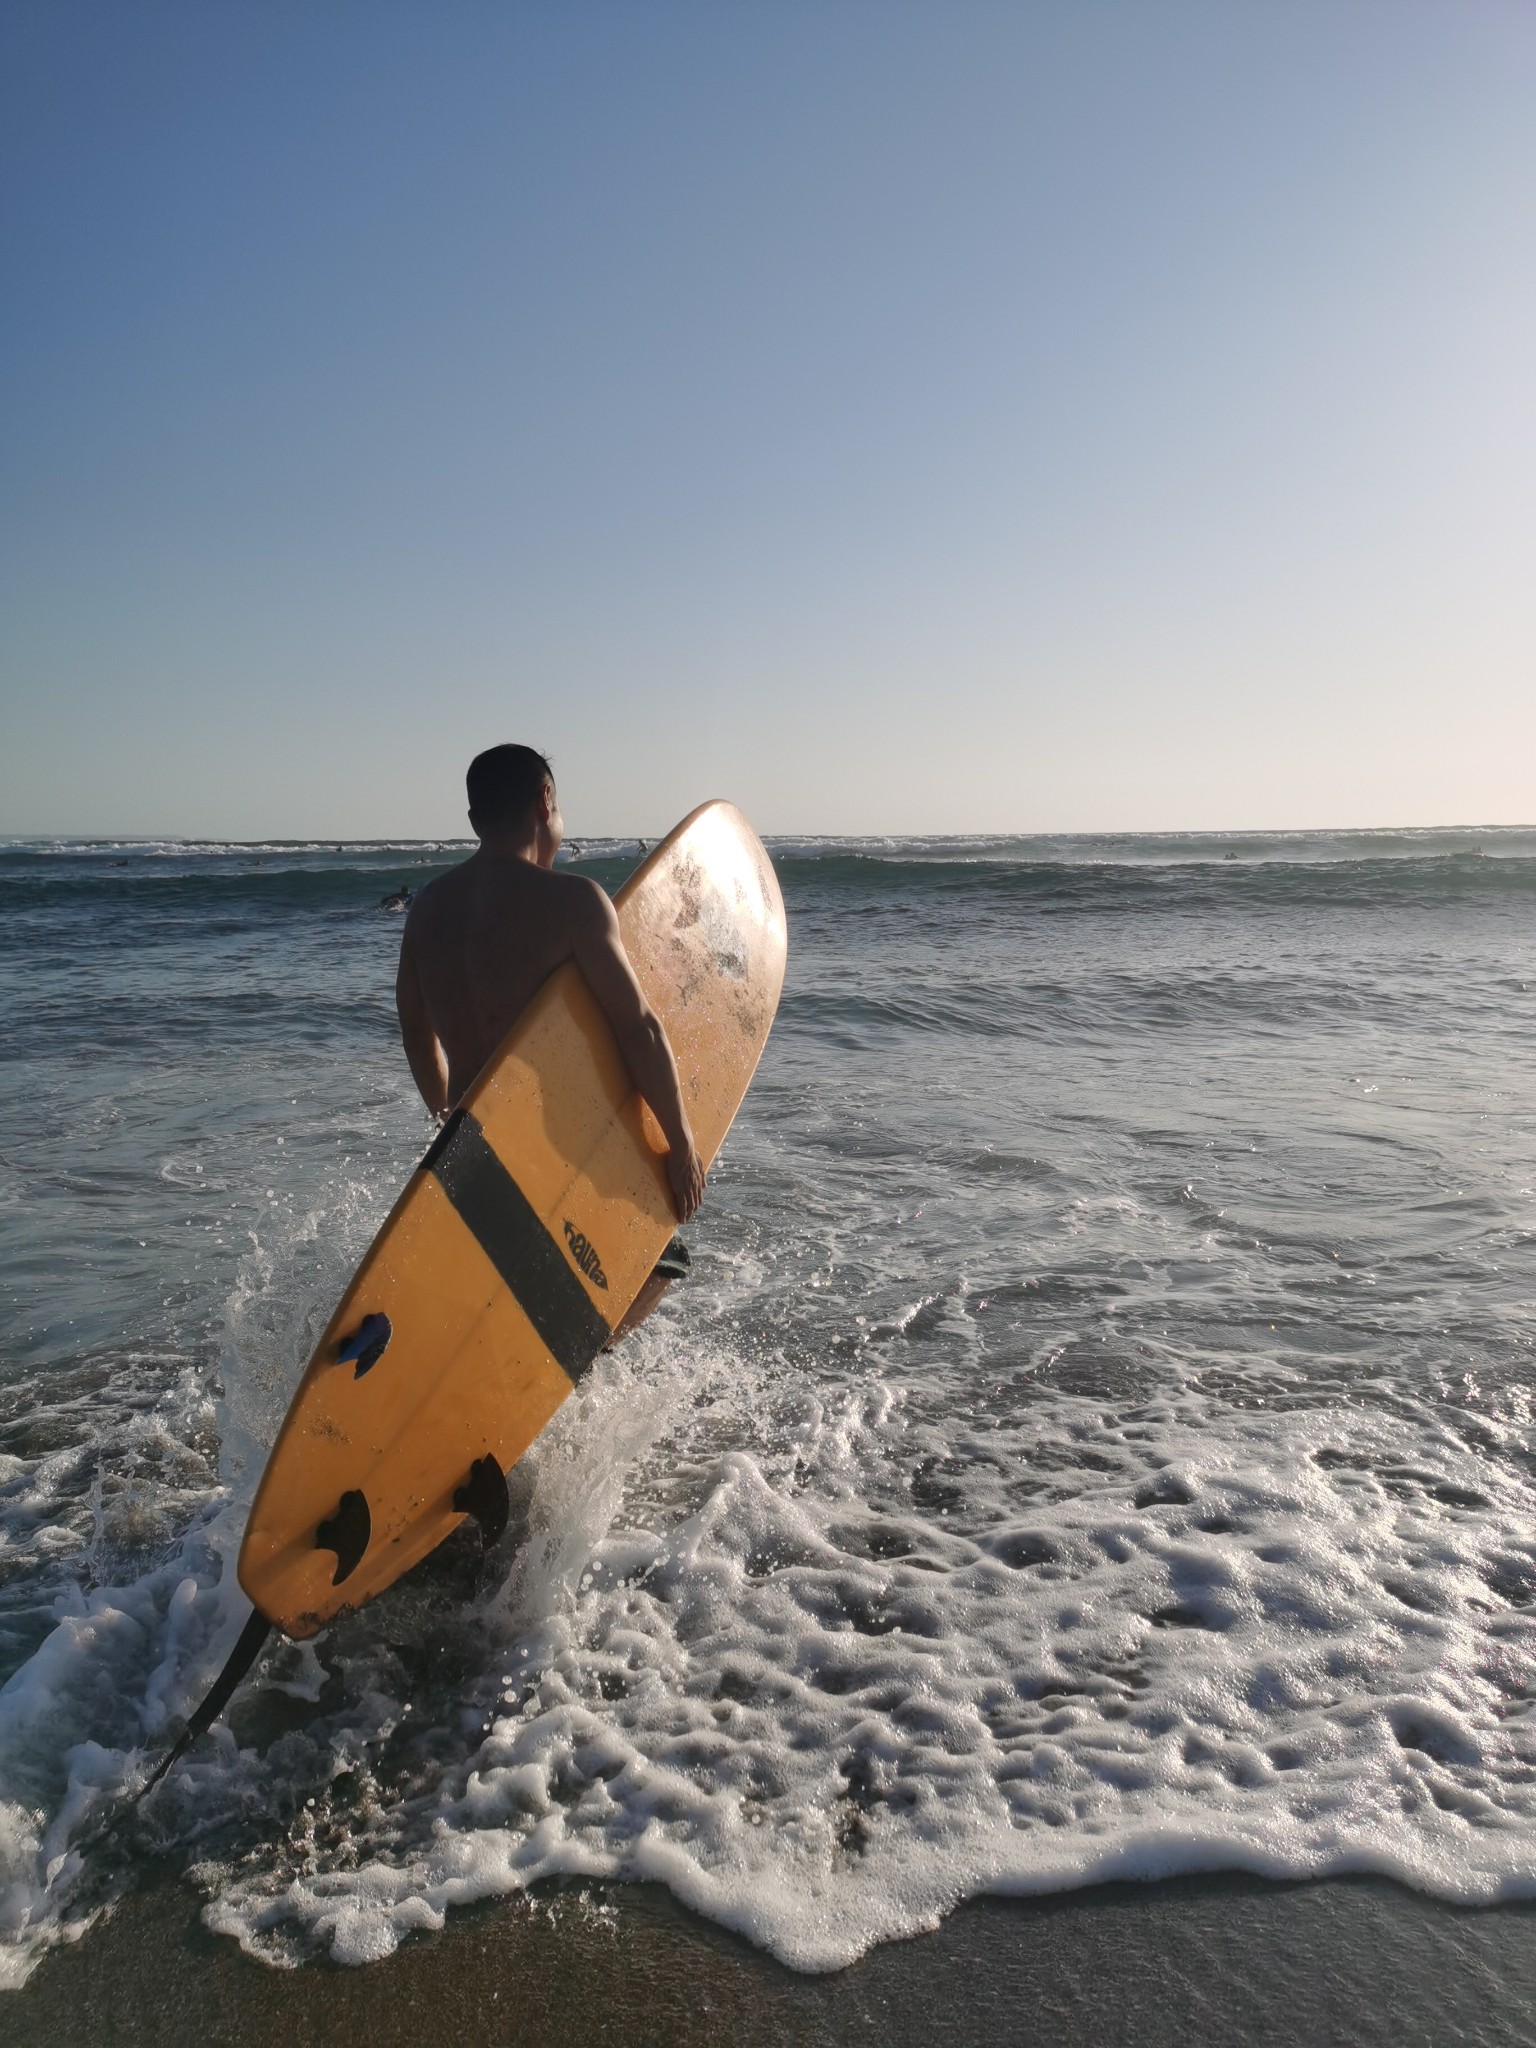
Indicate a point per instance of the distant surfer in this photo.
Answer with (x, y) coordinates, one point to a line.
(481, 940)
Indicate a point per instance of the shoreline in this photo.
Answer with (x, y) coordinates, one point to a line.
(1218, 1959)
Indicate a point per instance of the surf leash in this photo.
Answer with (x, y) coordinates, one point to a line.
(249, 1647)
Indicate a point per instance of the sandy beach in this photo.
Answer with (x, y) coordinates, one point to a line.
(1217, 1960)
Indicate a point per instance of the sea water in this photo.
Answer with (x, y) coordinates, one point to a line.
(1095, 1439)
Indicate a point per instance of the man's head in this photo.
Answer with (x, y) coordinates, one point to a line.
(512, 795)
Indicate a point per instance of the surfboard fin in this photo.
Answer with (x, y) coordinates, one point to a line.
(347, 1533)
(365, 1347)
(241, 1658)
(484, 1495)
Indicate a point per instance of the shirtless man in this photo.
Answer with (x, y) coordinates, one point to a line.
(481, 940)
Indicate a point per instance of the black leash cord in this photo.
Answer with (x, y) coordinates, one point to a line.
(241, 1658)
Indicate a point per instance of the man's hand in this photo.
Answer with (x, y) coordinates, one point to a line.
(686, 1173)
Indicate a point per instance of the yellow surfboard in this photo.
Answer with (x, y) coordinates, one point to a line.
(519, 1242)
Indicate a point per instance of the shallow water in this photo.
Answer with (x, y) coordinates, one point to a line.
(1095, 1440)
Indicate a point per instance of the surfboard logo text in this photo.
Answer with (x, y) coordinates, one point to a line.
(585, 1255)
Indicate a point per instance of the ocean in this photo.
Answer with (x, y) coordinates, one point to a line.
(1094, 1442)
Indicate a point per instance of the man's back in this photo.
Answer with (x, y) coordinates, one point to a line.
(481, 942)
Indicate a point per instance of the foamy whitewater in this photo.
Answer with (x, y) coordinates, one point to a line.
(1095, 1440)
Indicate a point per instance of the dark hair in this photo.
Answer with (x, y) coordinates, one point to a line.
(505, 783)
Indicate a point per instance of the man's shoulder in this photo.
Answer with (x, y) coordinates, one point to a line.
(576, 888)
(578, 900)
(433, 897)
(554, 899)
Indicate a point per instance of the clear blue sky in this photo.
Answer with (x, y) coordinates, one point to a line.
(915, 417)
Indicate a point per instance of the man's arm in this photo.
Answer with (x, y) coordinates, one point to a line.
(423, 1049)
(600, 955)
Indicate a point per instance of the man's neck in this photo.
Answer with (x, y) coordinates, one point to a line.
(494, 847)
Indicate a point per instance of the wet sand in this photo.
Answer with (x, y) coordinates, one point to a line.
(1208, 1960)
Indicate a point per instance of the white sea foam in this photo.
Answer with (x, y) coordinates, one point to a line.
(1293, 1642)
(1281, 1649)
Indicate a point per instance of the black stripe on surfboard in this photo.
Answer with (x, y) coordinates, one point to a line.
(509, 1230)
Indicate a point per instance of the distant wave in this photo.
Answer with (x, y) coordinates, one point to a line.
(1084, 849)
(1171, 849)
(1090, 875)
(223, 849)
